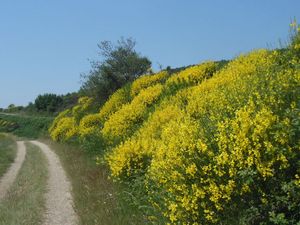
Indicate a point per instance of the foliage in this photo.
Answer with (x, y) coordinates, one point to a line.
(147, 81)
(66, 129)
(193, 75)
(13, 109)
(65, 125)
(25, 126)
(84, 106)
(45, 105)
(122, 64)
(230, 139)
(48, 102)
(89, 131)
(122, 123)
(216, 143)
(90, 124)
(57, 119)
(7, 126)
(115, 102)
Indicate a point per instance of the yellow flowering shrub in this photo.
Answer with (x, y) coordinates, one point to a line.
(210, 147)
(222, 148)
(65, 125)
(61, 115)
(114, 103)
(169, 168)
(65, 129)
(123, 121)
(193, 75)
(84, 105)
(147, 81)
(138, 148)
(219, 94)
(89, 132)
(90, 125)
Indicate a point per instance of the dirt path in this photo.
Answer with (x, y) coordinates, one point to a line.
(11, 174)
(59, 201)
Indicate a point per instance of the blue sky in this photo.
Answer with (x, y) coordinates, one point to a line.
(45, 45)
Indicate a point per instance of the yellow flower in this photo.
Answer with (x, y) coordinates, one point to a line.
(147, 81)
(191, 170)
(293, 24)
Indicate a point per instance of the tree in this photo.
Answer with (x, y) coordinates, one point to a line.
(69, 100)
(11, 106)
(121, 64)
(48, 103)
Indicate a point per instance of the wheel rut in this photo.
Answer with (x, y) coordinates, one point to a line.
(59, 201)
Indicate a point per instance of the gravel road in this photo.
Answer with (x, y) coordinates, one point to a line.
(59, 201)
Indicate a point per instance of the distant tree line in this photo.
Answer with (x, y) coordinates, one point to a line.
(52, 103)
(46, 104)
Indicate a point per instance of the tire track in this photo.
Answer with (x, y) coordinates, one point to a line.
(59, 201)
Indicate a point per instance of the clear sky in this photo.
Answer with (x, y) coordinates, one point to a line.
(45, 44)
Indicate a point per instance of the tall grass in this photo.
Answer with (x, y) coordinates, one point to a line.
(7, 152)
(26, 126)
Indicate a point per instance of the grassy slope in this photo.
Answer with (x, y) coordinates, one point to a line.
(25, 201)
(28, 126)
(7, 152)
(95, 197)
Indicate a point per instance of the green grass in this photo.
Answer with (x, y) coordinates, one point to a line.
(25, 203)
(27, 126)
(95, 196)
(7, 152)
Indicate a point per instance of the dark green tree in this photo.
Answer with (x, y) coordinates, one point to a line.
(69, 100)
(48, 103)
(121, 64)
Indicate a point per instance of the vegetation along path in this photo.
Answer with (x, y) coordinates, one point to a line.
(9, 177)
(59, 201)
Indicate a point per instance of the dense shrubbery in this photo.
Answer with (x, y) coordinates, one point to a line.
(115, 102)
(211, 144)
(193, 75)
(147, 81)
(65, 125)
(122, 123)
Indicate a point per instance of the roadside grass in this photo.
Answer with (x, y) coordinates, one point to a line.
(8, 151)
(96, 197)
(25, 202)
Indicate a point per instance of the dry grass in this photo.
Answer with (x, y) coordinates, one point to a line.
(8, 151)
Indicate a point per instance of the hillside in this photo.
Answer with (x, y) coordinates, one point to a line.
(214, 143)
